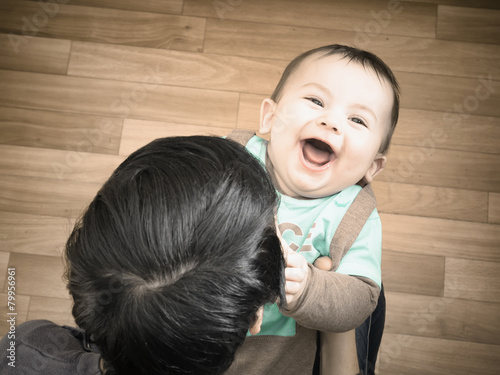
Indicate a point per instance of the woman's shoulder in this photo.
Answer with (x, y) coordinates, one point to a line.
(44, 347)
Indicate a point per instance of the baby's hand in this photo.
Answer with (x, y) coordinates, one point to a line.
(323, 263)
(296, 273)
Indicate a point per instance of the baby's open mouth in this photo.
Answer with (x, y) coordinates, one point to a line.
(316, 152)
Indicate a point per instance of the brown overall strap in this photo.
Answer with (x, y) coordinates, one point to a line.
(352, 223)
(241, 136)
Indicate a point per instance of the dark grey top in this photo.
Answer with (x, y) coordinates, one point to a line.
(40, 347)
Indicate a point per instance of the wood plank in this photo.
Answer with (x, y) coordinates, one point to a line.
(4, 261)
(443, 168)
(34, 54)
(429, 201)
(33, 234)
(377, 16)
(174, 68)
(39, 275)
(59, 130)
(411, 355)
(146, 100)
(449, 238)
(450, 94)
(402, 54)
(445, 130)
(439, 317)
(494, 208)
(57, 310)
(51, 197)
(468, 24)
(489, 4)
(111, 26)
(249, 111)
(412, 273)
(472, 279)
(70, 165)
(22, 306)
(138, 133)
(252, 39)
(154, 6)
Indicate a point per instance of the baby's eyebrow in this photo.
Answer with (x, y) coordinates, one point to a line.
(318, 86)
(365, 108)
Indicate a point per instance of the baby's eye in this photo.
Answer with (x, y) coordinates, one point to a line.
(316, 101)
(358, 121)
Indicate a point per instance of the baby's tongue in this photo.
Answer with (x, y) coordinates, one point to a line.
(315, 155)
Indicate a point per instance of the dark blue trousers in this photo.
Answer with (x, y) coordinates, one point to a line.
(369, 336)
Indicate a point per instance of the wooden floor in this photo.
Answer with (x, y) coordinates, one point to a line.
(83, 83)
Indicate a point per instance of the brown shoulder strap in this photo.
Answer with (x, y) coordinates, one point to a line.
(241, 136)
(351, 224)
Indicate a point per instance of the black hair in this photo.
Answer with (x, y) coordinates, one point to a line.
(173, 257)
(366, 59)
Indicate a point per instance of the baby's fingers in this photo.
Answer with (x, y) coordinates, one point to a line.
(296, 260)
(295, 274)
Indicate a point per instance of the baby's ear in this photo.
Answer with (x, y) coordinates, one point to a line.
(377, 166)
(267, 109)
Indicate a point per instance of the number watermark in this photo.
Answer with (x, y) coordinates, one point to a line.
(11, 316)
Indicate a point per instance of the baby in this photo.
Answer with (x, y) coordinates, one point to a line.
(330, 121)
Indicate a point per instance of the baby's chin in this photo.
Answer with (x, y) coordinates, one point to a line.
(309, 192)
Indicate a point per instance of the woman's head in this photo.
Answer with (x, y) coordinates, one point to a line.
(174, 256)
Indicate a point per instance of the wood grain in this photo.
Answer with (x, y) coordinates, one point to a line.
(57, 130)
(93, 24)
(474, 280)
(33, 234)
(70, 165)
(4, 262)
(429, 201)
(51, 197)
(138, 133)
(443, 168)
(489, 4)
(413, 273)
(359, 15)
(445, 130)
(155, 6)
(41, 275)
(43, 55)
(174, 68)
(494, 208)
(440, 317)
(402, 54)
(466, 24)
(450, 94)
(146, 100)
(404, 355)
(448, 238)
(249, 111)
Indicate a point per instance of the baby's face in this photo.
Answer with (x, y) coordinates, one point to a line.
(327, 127)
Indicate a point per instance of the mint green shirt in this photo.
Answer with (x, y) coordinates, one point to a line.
(308, 226)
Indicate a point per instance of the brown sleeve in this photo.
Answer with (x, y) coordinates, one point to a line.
(332, 301)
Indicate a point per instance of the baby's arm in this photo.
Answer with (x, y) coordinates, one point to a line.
(327, 300)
